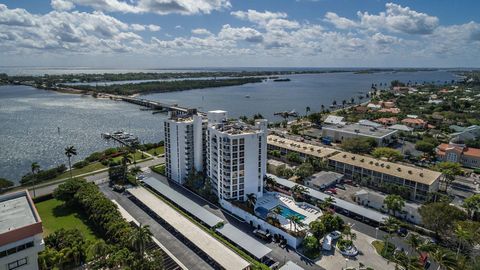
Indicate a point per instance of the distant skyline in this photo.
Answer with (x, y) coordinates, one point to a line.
(239, 33)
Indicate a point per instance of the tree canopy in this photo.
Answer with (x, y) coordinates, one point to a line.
(440, 217)
(386, 152)
(359, 145)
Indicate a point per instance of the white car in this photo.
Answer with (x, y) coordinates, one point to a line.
(335, 235)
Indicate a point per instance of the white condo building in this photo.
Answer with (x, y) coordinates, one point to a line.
(236, 158)
(232, 154)
(184, 144)
(20, 232)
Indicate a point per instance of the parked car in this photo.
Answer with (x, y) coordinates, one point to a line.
(340, 186)
(328, 192)
(141, 177)
(335, 235)
(327, 242)
(270, 262)
(402, 232)
(262, 234)
(333, 190)
(118, 188)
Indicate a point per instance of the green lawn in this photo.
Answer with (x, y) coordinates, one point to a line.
(159, 150)
(55, 215)
(138, 156)
(89, 168)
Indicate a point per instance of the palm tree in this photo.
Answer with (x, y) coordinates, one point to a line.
(307, 109)
(126, 159)
(464, 236)
(139, 238)
(35, 169)
(277, 211)
(270, 181)
(251, 200)
(414, 242)
(352, 100)
(295, 220)
(327, 203)
(394, 203)
(70, 152)
(343, 103)
(298, 191)
(322, 107)
(391, 226)
(444, 258)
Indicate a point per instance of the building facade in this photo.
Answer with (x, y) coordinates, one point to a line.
(20, 232)
(184, 145)
(377, 173)
(236, 159)
(467, 156)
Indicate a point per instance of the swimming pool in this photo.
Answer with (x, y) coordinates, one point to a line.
(289, 212)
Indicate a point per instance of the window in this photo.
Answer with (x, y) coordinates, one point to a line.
(17, 264)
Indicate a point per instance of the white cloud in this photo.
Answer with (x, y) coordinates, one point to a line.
(138, 27)
(162, 7)
(266, 19)
(339, 22)
(62, 5)
(400, 19)
(201, 32)
(241, 33)
(154, 28)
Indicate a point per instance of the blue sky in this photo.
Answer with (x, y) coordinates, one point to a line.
(228, 33)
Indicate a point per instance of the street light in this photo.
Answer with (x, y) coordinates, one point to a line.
(376, 233)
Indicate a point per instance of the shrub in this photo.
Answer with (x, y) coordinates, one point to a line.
(80, 164)
(95, 156)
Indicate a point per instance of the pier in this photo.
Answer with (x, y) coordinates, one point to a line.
(121, 137)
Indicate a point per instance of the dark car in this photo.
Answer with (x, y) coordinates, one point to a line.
(402, 232)
(118, 188)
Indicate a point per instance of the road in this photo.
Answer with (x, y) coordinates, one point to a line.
(97, 178)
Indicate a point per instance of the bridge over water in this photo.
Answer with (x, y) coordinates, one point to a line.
(155, 104)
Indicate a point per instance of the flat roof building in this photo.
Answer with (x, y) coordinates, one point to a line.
(339, 133)
(323, 179)
(303, 149)
(20, 232)
(377, 172)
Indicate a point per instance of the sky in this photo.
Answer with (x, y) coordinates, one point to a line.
(239, 33)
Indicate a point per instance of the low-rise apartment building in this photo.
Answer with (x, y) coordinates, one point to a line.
(467, 156)
(375, 200)
(377, 172)
(339, 133)
(304, 150)
(20, 232)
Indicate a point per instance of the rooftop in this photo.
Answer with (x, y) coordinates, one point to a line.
(17, 211)
(411, 173)
(224, 256)
(235, 127)
(363, 130)
(359, 210)
(305, 148)
(335, 120)
(324, 178)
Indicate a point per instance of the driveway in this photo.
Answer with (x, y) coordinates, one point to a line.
(367, 255)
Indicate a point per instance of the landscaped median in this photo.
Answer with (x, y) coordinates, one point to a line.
(212, 232)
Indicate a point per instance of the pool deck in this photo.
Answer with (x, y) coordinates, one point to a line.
(271, 200)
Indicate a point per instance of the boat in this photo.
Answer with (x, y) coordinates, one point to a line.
(247, 96)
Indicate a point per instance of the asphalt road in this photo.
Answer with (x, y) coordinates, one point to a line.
(98, 178)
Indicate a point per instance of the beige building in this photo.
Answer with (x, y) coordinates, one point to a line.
(467, 156)
(303, 149)
(377, 172)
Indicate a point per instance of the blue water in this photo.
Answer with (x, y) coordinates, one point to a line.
(289, 212)
(29, 118)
